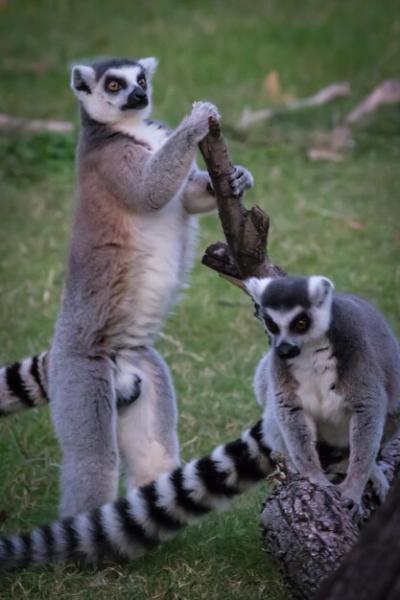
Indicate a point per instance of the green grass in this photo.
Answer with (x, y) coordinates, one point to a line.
(218, 51)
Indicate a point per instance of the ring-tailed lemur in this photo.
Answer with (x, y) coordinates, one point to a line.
(332, 376)
(131, 246)
(149, 515)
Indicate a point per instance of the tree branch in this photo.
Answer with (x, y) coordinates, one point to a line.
(246, 231)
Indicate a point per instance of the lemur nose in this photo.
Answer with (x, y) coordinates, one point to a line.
(137, 94)
(286, 350)
(136, 99)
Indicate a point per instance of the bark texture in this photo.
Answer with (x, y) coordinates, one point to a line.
(246, 231)
(309, 530)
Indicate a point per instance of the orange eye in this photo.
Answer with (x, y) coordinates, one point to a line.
(113, 86)
(142, 83)
(301, 324)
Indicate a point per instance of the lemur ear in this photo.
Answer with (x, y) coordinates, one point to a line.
(256, 287)
(83, 79)
(319, 289)
(149, 64)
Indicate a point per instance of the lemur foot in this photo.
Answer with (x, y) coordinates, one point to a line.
(124, 401)
(198, 118)
(356, 510)
(379, 482)
(241, 181)
(352, 501)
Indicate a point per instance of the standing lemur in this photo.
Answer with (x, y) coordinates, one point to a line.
(332, 374)
(131, 246)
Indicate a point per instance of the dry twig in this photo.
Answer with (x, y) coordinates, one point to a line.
(387, 92)
(333, 91)
(8, 123)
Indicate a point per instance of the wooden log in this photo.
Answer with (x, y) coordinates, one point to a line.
(309, 530)
(371, 570)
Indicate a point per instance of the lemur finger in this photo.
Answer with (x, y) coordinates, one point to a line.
(240, 180)
(243, 172)
(206, 108)
(352, 501)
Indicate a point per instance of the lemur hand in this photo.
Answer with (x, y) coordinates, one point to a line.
(241, 181)
(198, 119)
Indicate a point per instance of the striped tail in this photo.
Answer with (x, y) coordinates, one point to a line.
(149, 515)
(23, 385)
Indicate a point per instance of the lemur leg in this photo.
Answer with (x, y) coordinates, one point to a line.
(84, 413)
(198, 196)
(274, 438)
(299, 434)
(366, 430)
(263, 389)
(147, 430)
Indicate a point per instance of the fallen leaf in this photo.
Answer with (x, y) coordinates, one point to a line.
(353, 224)
(272, 86)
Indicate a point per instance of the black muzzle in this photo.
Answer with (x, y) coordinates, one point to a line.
(286, 350)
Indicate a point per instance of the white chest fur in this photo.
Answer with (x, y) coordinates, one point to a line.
(165, 240)
(150, 134)
(315, 370)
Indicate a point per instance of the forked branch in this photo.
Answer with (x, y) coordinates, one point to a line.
(246, 231)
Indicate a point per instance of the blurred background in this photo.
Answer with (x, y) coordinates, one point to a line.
(331, 188)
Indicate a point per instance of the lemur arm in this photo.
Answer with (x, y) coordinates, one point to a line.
(147, 181)
(299, 434)
(167, 170)
(367, 423)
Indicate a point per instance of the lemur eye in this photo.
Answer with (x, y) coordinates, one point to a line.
(142, 82)
(113, 85)
(301, 323)
(271, 325)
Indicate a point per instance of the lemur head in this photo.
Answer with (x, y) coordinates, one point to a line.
(296, 311)
(111, 90)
